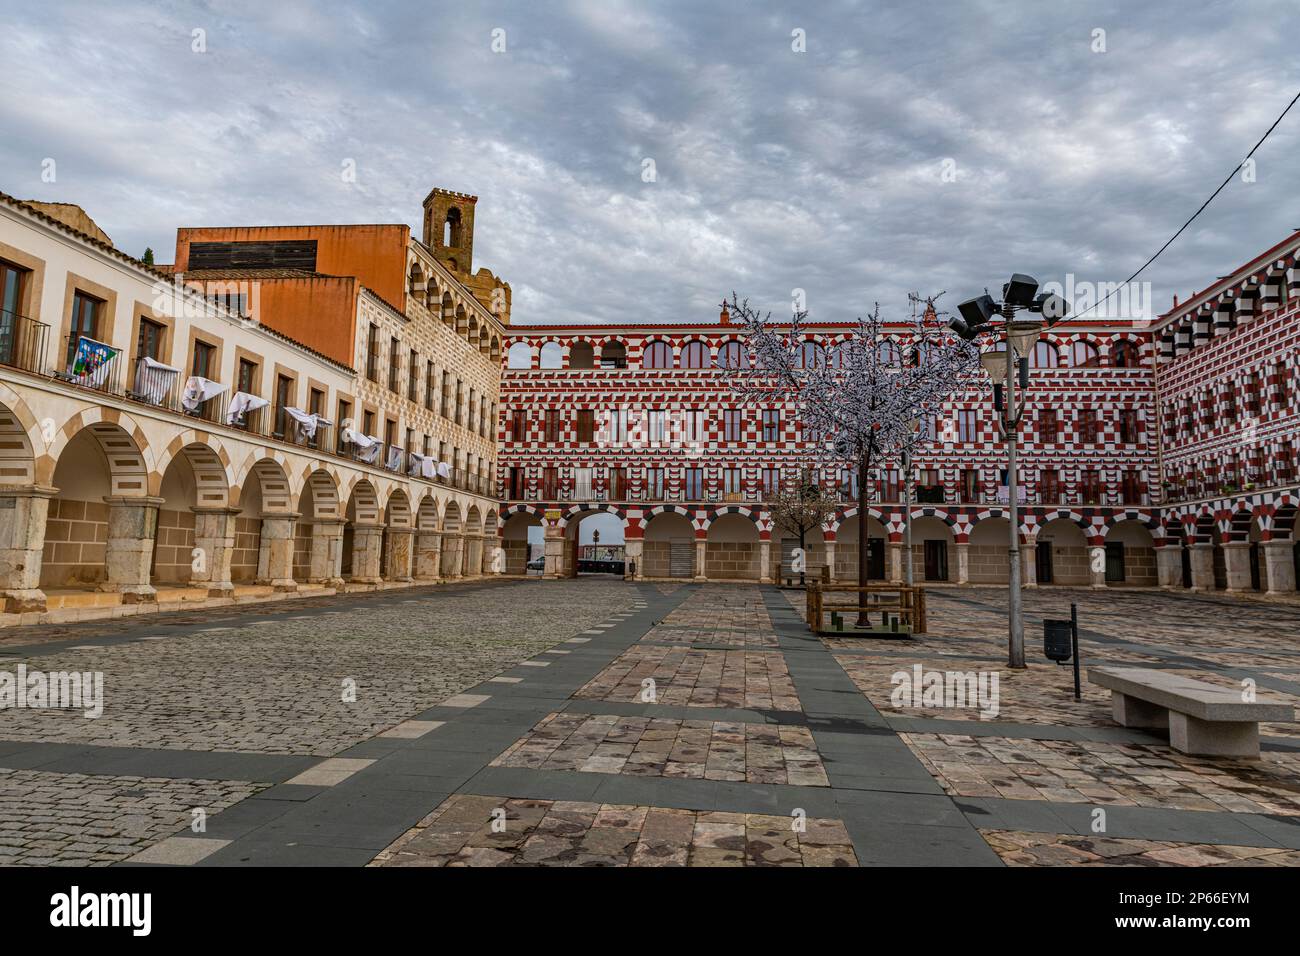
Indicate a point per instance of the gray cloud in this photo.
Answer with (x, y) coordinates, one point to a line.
(776, 170)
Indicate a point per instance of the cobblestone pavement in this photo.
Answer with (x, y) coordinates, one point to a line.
(64, 819)
(461, 832)
(600, 722)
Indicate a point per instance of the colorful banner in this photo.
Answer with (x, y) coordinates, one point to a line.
(91, 364)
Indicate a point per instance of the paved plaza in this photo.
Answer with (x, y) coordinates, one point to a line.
(602, 722)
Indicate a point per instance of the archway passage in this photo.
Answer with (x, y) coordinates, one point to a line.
(846, 550)
(1061, 554)
(669, 547)
(194, 480)
(732, 550)
(988, 553)
(594, 544)
(1130, 555)
(522, 539)
(932, 544)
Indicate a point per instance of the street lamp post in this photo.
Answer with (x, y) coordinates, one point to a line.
(983, 316)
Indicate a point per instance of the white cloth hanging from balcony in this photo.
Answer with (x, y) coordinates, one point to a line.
(444, 470)
(153, 379)
(368, 448)
(306, 423)
(198, 390)
(241, 403)
(422, 466)
(394, 459)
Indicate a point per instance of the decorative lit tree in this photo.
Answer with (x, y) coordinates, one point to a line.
(860, 403)
(801, 506)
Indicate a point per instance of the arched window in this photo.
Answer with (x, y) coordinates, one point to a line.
(888, 352)
(695, 355)
(657, 355)
(811, 355)
(733, 355)
(1043, 356)
(1124, 354)
(833, 358)
(582, 355)
(451, 229)
(1084, 355)
(552, 355)
(520, 356)
(613, 355)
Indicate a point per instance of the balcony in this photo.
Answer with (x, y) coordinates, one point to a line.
(22, 341)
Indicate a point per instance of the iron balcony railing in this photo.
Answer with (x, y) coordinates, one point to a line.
(22, 341)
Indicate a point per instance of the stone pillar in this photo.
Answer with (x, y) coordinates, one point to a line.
(23, 512)
(701, 546)
(1202, 567)
(1279, 561)
(632, 548)
(326, 552)
(1169, 566)
(1236, 558)
(490, 545)
(428, 555)
(963, 562)
(764, 562)
(453, 553)
(895, 549)
(553, 543)
(1029, 564)
(275, 554)
(830, 560)
(214, 535)
(367, 540)
(397, 541)
(132, 528)
(472, 563)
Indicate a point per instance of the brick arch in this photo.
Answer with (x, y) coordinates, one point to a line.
(363, 501)
(20, 436)
(451, 520)
(397, 509)
(272, 476)
(211, 467)
(491, 522)
(130, 457)
(324, 488)
(427, 516)
(523, 509)
(755, 515)
(587, 509)
(843, 517)
(473, 520)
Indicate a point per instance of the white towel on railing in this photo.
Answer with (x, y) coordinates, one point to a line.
(153, 379)
(444, 470)
(394, 459)
(306, 423)
(368, 448)
(198, 390)
(241, 403)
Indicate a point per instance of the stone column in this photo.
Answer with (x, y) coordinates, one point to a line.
(428, 555)
(1202, 567)
(367, 542)
(895, 549)
(214, 535)
(453, 553)
(132, 528)
(398, 559)
(1029, 564)
(632, 549)
(472, 563)
(326, 552)
(1169, 566)
(1280, 561)
(553, 552)
(830, 560)
(23, 512)
(764, 562)
(490, 544)
(701, 549)
(1236, 558)
(963, 562)
(275, 553)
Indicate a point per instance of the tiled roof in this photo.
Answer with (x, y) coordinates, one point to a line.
(259, 274)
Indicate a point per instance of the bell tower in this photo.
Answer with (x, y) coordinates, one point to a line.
(449, 229)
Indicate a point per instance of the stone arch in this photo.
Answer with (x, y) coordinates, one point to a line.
(582, 354)
(668, 546)
(462, 321)
(514, 537)
(211, 467)
(319, 498)
(193, 479)
(448, 309)
(123, 443)
(451, 518)
(20, 436)
(494, 349)
(1131, 552)
(267, 478)
(363, 502)
(397, 510)
(426, 514)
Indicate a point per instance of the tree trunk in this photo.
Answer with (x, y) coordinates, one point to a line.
(863, 549)
(803, 582)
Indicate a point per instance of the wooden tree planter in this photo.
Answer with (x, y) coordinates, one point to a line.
(899, 610)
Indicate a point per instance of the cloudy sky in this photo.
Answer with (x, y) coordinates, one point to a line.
(910, 146)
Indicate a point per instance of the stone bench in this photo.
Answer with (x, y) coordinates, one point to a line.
(1203, 719)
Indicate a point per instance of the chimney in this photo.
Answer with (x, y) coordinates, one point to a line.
(725, 317)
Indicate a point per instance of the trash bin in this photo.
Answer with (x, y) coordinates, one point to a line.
(1057, 640)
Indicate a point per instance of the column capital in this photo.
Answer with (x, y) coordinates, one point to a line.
(143, 501)
(27, 491)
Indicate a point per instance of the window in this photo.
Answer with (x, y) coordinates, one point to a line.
(1088, 425)
(12, 281)
(657, 355)
(283, 399)
(733, 355)
(617, 484)
(966, 425)
(1128, 426)
(655, 424)
(970, 484)
(617, 419)
(848, 483)
(654, 483)
(460, 402)
(204, 360)
(520, 355)
(771, 424)
(613, 355)
(693, 424)
(732, 424)
(550, 483)
(1285, 465)
(394, 363)
(582, 355)
(515, 482)
(582, 484)
(1131, 488)
(887, 352)
(1090, 487)
(552, 355)
(1084, 355)
(732, 482)
(149, 342)
(1230, 403)
(446, 394)
(316, 402)
(1253, 393)
(1043, 356)
(345, 424)
(811, 355)
(771, 482)
(471, 410)
(551, 425)
(372, 353)
(428, 386)
(246, 379)
(586, 425)
(889, 485)
(86, 310)
(1049, 486)
(368, 424)
(518, 424)
(695, 355)
(1048, 429)
(1280, 382)
(1124, 354)
(412, 376)
(694, 484)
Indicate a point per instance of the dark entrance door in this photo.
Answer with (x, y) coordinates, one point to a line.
(1254, 566)
(1114, 561)
(876, 559)
(1187, 566)
(1043, 563)
(936, 560)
